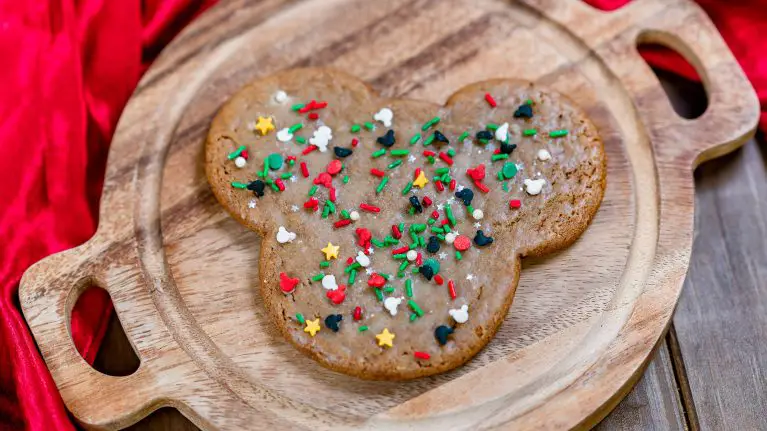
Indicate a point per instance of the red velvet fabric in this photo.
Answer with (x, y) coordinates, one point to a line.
(68, 67)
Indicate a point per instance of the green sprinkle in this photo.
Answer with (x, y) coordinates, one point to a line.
(409, 288)
(297, 106)
(399, 256)
(431, 221)
(291, 162)
(484, 141)
(313, 190)
(505, 187)
(363, 328)
(352, 277)
(449, 215)
(262, 175)
(437, 230)
(286, 175)
(402, 266)
(442, 171)
(413, 236)
(433, 122)
(469, 209)
(352, 267)
(509, 170)
(265, 172)
(325, 211)
(458, 255)
(379, 294)
(441, 237)
(388, 290)
(324, 264)
(497, 157)
(273, 185)
(500, 176)
(300, 318)
(390, 240)
(400, 274)
(330, 204)
(558, 133)
(445, 178)
(492, 127)
(301, 140)
(296, 127)
(379, 153)
(415, 139)
(431, 160)
(421, 241)
(529, 132)
(346, 179)
(411, 211)
(236, 153)
(399, 153)
(417, 227)
(382, 184)
(450, 152)
(429, 139)
(415, 270)
(446, 227)
(407, 188)
(318, 277)
(377, 243)
(413, 316)
(401, 226)
(355, 128)
(415, 308)
(463, 136)
(369, 125)
(384, 275)
(394, 164)
(529, 101)
(413, 246)
(345, 214)
(237, 185)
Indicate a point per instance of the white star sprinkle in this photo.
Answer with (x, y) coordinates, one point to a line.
(451, 200)
(411, 158)
(294, 208)
(442, 255)
(293, 179)
(440, 207)
(477, 225)
(459, 187)
(470, 277)
(371, 251)
(252, 203)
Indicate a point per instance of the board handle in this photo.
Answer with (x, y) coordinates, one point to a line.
(733, 107)
(48, 291)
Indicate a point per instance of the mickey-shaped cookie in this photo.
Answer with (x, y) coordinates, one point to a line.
(393, 229)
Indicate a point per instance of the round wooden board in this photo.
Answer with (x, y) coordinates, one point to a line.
(183, 275)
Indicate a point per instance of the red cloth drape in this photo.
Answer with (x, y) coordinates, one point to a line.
(68, 67)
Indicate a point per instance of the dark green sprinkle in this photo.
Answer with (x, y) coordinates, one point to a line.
(501, 156)
(407, 188)
(297, 106)
(379, 294)
(403, 265)
(352, 277)
(492, 127)
(286, 175)
(313, 190)
(450, 152)
(437, 230)
(417, 227)
(413, 316)
(415, 308)
(458, 255)
(399, 256)
(428, 140)
(388, 290)
(345, 214)
(352, 267)
(377, 243)
(442, 171)
(384, 275)
(463, 136)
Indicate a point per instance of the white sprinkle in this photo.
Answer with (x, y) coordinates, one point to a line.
(321, 137)
(459, 187)
(284, 236)
(470, 277)
(362, 259)
(450, 237)
(502, 133)
(533, 187)
(442, 255)
(461, 315)
(354, 215)
(477, 225)
(411, 158)
(280, 96)
(544, 155)
(329, 282)
(477, 214)
(294, 208)
(252, 203)
(240, 162)
(293, 179)
(371, 251)
(284, 135)
(440, 207)
(412, 255)
(385, 116)
(391, 303)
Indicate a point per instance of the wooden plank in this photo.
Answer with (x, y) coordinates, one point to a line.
(721, 320)
(653, 404)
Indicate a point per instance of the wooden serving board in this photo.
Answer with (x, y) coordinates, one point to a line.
(183, 275)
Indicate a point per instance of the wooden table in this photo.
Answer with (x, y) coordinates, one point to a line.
(711, 371)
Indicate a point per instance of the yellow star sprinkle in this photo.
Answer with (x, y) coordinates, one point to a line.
(312, 326)
(385, 338)
(264, 125)
(331, 251)
(421, 180)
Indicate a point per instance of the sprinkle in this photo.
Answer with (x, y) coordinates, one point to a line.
(415, 308)
(385, 338)
(355, 142)
(458, 255)
(352, 277)
(399, 153)
(264, 125)
(301, 140)
(238, 185)
(363, 328)
(379, 153)
(370, 126)
(497, 157)
(463, 136)
(481, 186)
(280, 185)
(342, 223)
(318, 277)
(369, 208)
(407, 188)
(331, 251)
(558, 133)
(413, 316)
(379, 294)
(490, 100)
(433, 122)
(529, 132)
(355, 128)
(421, 355)
(388, 290)
(429, 139)
(515, 203)
(449, 214)
(421, 180)
(415, 139)
(297, 107)
(439, 185)
(346, 179)
(382, 184)
(300, 318)
(357, 315)
(377, 243)
(296, 127)
(409, 288)
(394, 164)
(236, 153)
(438, 279)
(312, 327)
(445, 158)
(324, 264)
(451, 288)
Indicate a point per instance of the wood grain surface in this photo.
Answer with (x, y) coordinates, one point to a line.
(181, 273)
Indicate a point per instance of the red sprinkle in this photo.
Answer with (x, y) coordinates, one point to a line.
(400, 250)
(426, 201)
(309, 149)
(280, 184)
(435, 214)
(349, 260)
(452, 184)
(287, 284)
(357, 313)
(355, 142)
(416, 173)
(325, 179)
(332, 194)
(419, 259)
(376, 280)
(451, 289)
(308, 107)
(515, 203)
(421, 355)
(490, 100)
(320, 105)
(428, 153)
(334, 167)
(369, 208)
(462, 243)
(395, 231)
(314, 116)
(497, 151)
(363, 238)
(476, 174)
(244, 154)
(304, 170)
(445, 158)
(481, 186)
(445, 221)
(337, 295)
(377, 172)
(312, 203)
(439, 185)
(438, 279)
(342, 223)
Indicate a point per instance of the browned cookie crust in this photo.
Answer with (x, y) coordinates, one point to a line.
(556, 147)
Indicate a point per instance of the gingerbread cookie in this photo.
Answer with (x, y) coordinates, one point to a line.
(393, 229)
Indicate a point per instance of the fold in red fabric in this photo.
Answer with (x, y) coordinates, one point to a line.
(69, 67)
